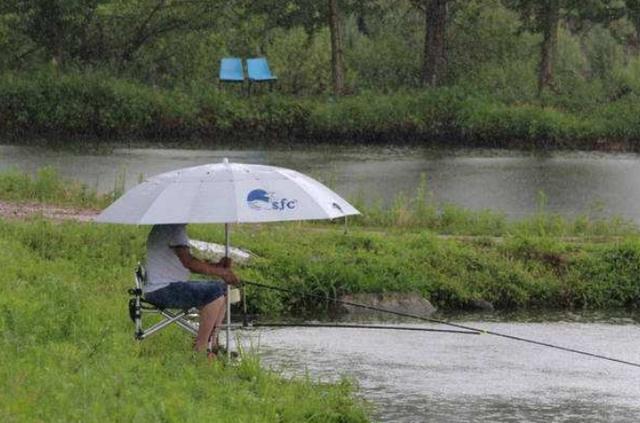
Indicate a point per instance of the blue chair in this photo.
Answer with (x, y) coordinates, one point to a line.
(231, 70)
(258, 71)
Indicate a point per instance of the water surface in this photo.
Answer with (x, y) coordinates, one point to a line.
(415, 377)
(506, 181)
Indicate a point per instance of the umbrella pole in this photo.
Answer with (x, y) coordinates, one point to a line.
(226, 254)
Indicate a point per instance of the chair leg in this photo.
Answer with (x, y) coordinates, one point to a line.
(181, 321)
(137, 315)
(169, 319)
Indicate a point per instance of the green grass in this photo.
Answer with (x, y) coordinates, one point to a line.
(46, 186)
(67, 351)
(516, 272)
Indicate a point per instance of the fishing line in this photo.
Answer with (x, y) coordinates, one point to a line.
(444, 322)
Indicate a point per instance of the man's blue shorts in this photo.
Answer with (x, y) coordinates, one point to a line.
(185, 295)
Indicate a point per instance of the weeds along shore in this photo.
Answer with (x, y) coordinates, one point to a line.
(100, 106)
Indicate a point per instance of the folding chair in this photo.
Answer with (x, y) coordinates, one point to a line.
(231, 70)
(258, 71)
(138, 306)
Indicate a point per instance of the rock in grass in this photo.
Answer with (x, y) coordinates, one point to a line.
(392, 301)
(481, 305)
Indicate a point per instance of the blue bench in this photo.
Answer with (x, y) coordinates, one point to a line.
(258, 71)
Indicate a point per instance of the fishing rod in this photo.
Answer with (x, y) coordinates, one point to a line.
(356, 326)
(446, 323)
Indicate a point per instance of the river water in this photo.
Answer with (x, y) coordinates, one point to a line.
(418, 377)
(574, 183)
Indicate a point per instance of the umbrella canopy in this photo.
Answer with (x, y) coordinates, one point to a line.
(227, 193)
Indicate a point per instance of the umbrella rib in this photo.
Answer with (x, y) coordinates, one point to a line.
(155, 200)
(151, 206)
(304, 189)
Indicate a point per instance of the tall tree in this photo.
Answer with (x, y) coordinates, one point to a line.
(57, 26)
(312, 15)
(138, 23)
(549, 23)
(435, 48)
(337, 48)
(633, 12)
(544, 16)
(434, 59)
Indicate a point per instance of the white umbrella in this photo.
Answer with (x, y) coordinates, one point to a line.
(227, 193)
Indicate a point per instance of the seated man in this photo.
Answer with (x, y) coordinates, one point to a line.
(169, 264)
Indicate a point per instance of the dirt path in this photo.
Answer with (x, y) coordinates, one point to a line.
(10, 210)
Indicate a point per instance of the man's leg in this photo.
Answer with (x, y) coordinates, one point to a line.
(209, 315)
(218, 323)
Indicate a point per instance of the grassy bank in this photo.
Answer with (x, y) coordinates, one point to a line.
(512, 273)
(67, 354)
(98, 105)
(449, 255)
(46, 186)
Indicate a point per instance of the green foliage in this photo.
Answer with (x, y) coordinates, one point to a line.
(48, 187)
(479, 112)
(383, 62)
(301, 61)
(608, 277)
(87, 103)
(620, 120)
(67, 351)
(429, 112)
(603, 52)
(495, 121)
(482, 35)
(627, 77)
(521, 271)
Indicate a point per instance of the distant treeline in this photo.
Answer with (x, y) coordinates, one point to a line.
(550, 71)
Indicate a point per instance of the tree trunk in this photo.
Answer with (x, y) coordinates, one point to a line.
(550, 22)
(56, 58)
(337, 50)
(636, 25)
(57, 54)
(435, 50)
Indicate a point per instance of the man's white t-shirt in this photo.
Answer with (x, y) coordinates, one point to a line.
(163, 265)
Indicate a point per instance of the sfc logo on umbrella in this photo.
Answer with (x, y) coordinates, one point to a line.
(259, 199)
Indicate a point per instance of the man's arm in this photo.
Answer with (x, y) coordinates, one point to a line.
(204, 268)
